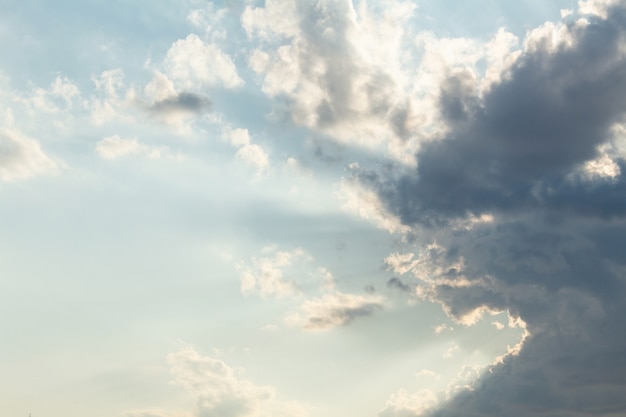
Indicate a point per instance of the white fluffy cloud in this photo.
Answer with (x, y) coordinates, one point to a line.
(219, 391)
(191, 63)
(254, 155)
(22, 157)
(404, 404)
(597, 7)
(361, 75)
(61, 94)
(265, 274)
(341, 75)
(249, 153)
(113, 99)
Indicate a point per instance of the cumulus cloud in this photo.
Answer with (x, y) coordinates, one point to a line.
(249, 153)
(220, 391)
(22, 157)
(333, 310)
(353, 71)
(265, 274)
(217, 388)
(254, 155)
(192, 62)
(112, 99)
(525, 166)
(339, 68)
(404, 404)
(60, 95)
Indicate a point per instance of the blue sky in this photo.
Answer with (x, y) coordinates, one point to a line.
(312, 208)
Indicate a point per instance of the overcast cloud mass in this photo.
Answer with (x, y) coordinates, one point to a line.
(314, 208)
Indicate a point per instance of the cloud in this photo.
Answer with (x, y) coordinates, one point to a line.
(397, 283)
(265, 274)
(114, 147)
(181, 103)
(254, 155)
(518, 205)
(112, 99)
(404, 404)
(191, 63)
(249, 153)
(367, 204)
(60, 95)
(220, 391)
(333, 310)
(216, 386)
(442, 328)
(22, 157)
(512, 149)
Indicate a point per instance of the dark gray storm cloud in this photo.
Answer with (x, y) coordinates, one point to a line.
(567, 281)
(512, 150)
(185, 102)
(554, 253)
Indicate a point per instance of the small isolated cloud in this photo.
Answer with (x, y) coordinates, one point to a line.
(270, 327)
(266, 274)
(220, 391)
(114, 147)
(427, 373)
(452, 350)
(333, 310)
(182, 103)
(366, 204)
(254, 155)
(339, 69)
(191, 62)
(442, 328)
(22, 157)
(164, 103)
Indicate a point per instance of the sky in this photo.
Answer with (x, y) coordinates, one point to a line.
(313, 208)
